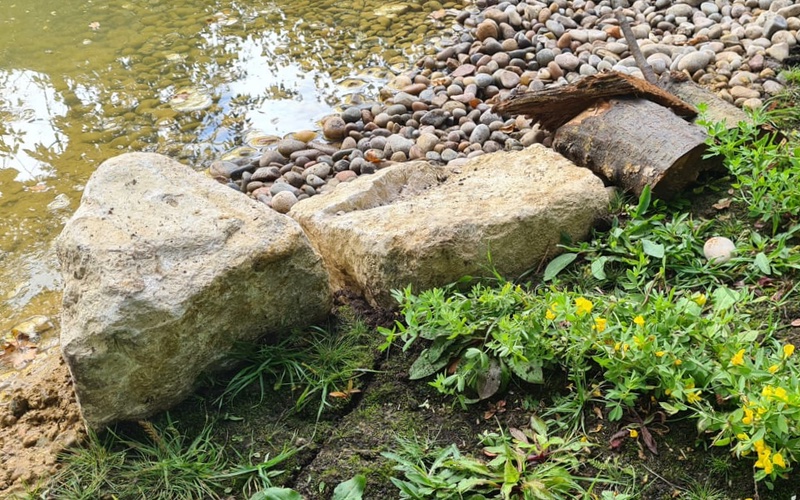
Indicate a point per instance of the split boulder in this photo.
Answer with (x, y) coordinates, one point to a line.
(424, 225)
(164, 271)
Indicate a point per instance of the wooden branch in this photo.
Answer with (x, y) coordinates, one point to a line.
(633, 46)
(553, 107)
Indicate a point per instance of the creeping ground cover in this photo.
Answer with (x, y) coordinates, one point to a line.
(639, 320)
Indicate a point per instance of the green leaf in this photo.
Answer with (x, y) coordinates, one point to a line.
(724, 298)
(530, 371)
(351, 490)
(762, 262)
(277, 494)
(653, 249)
(644, 202)
(723, 442)
(671, 410)
(425, 367)
(599, 268)
(558, 264)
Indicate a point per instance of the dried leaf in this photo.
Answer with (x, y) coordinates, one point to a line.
(647, 437)
(722, 204)
(18, 355)
(452, 367)
(508, 128)
(617, 439)
(796, 322)
(598, 412)
(597, 429)
(518, 435)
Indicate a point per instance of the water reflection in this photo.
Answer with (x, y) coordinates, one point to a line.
(29, 112)
(82, 81)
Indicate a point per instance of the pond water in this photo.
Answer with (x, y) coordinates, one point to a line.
(84, 80)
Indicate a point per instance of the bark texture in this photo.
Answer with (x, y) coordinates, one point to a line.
(633, 143)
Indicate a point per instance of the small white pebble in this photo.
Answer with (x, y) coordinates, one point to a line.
(719, 250)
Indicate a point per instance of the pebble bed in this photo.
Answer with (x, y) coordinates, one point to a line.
(440, 110)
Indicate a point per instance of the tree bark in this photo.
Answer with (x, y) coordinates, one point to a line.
(555, 106)
(633, 143)
(717, 109)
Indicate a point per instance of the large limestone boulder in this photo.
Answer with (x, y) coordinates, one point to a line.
(164, 270)
(418, 224)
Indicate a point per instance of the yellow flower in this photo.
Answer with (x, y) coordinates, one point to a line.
(761, 410)
(788, 350)
(700, 299)
(617, 346)
(660, 353)
(747, 419)
(678, 362)
(767, 391)
(634, 433)
(550, 315)
(693, 397)
(639, 320)
(668, 391)
(584, 439)
(780, 393)
(584, 306)
(742, 436)
(760, 446)
(773, 368)
(738, 358)
(625, 347)
(600, 324)
(765, 463)
(777, 459)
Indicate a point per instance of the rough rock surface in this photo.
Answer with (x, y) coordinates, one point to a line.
(427, 226)
(164, 270)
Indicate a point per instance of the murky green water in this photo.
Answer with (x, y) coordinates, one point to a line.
(82, 81)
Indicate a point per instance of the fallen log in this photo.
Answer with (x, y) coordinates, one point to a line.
(555, 106)
(717, 108)
(633, 143)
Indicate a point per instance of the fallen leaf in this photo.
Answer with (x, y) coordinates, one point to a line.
(94, 26)
(598, 412)
(452, 367)
(41, 187)
(722, 204)
(796, 322)
(617, 439)
(648, 440)
(597, 429)
(346, 393)
(18, 355)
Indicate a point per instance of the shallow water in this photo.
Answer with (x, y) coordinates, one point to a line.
(82, 81)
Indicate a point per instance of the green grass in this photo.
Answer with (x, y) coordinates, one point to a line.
(319, 366)
(159, 462)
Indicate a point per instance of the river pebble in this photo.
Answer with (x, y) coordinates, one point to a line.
(440, 108)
